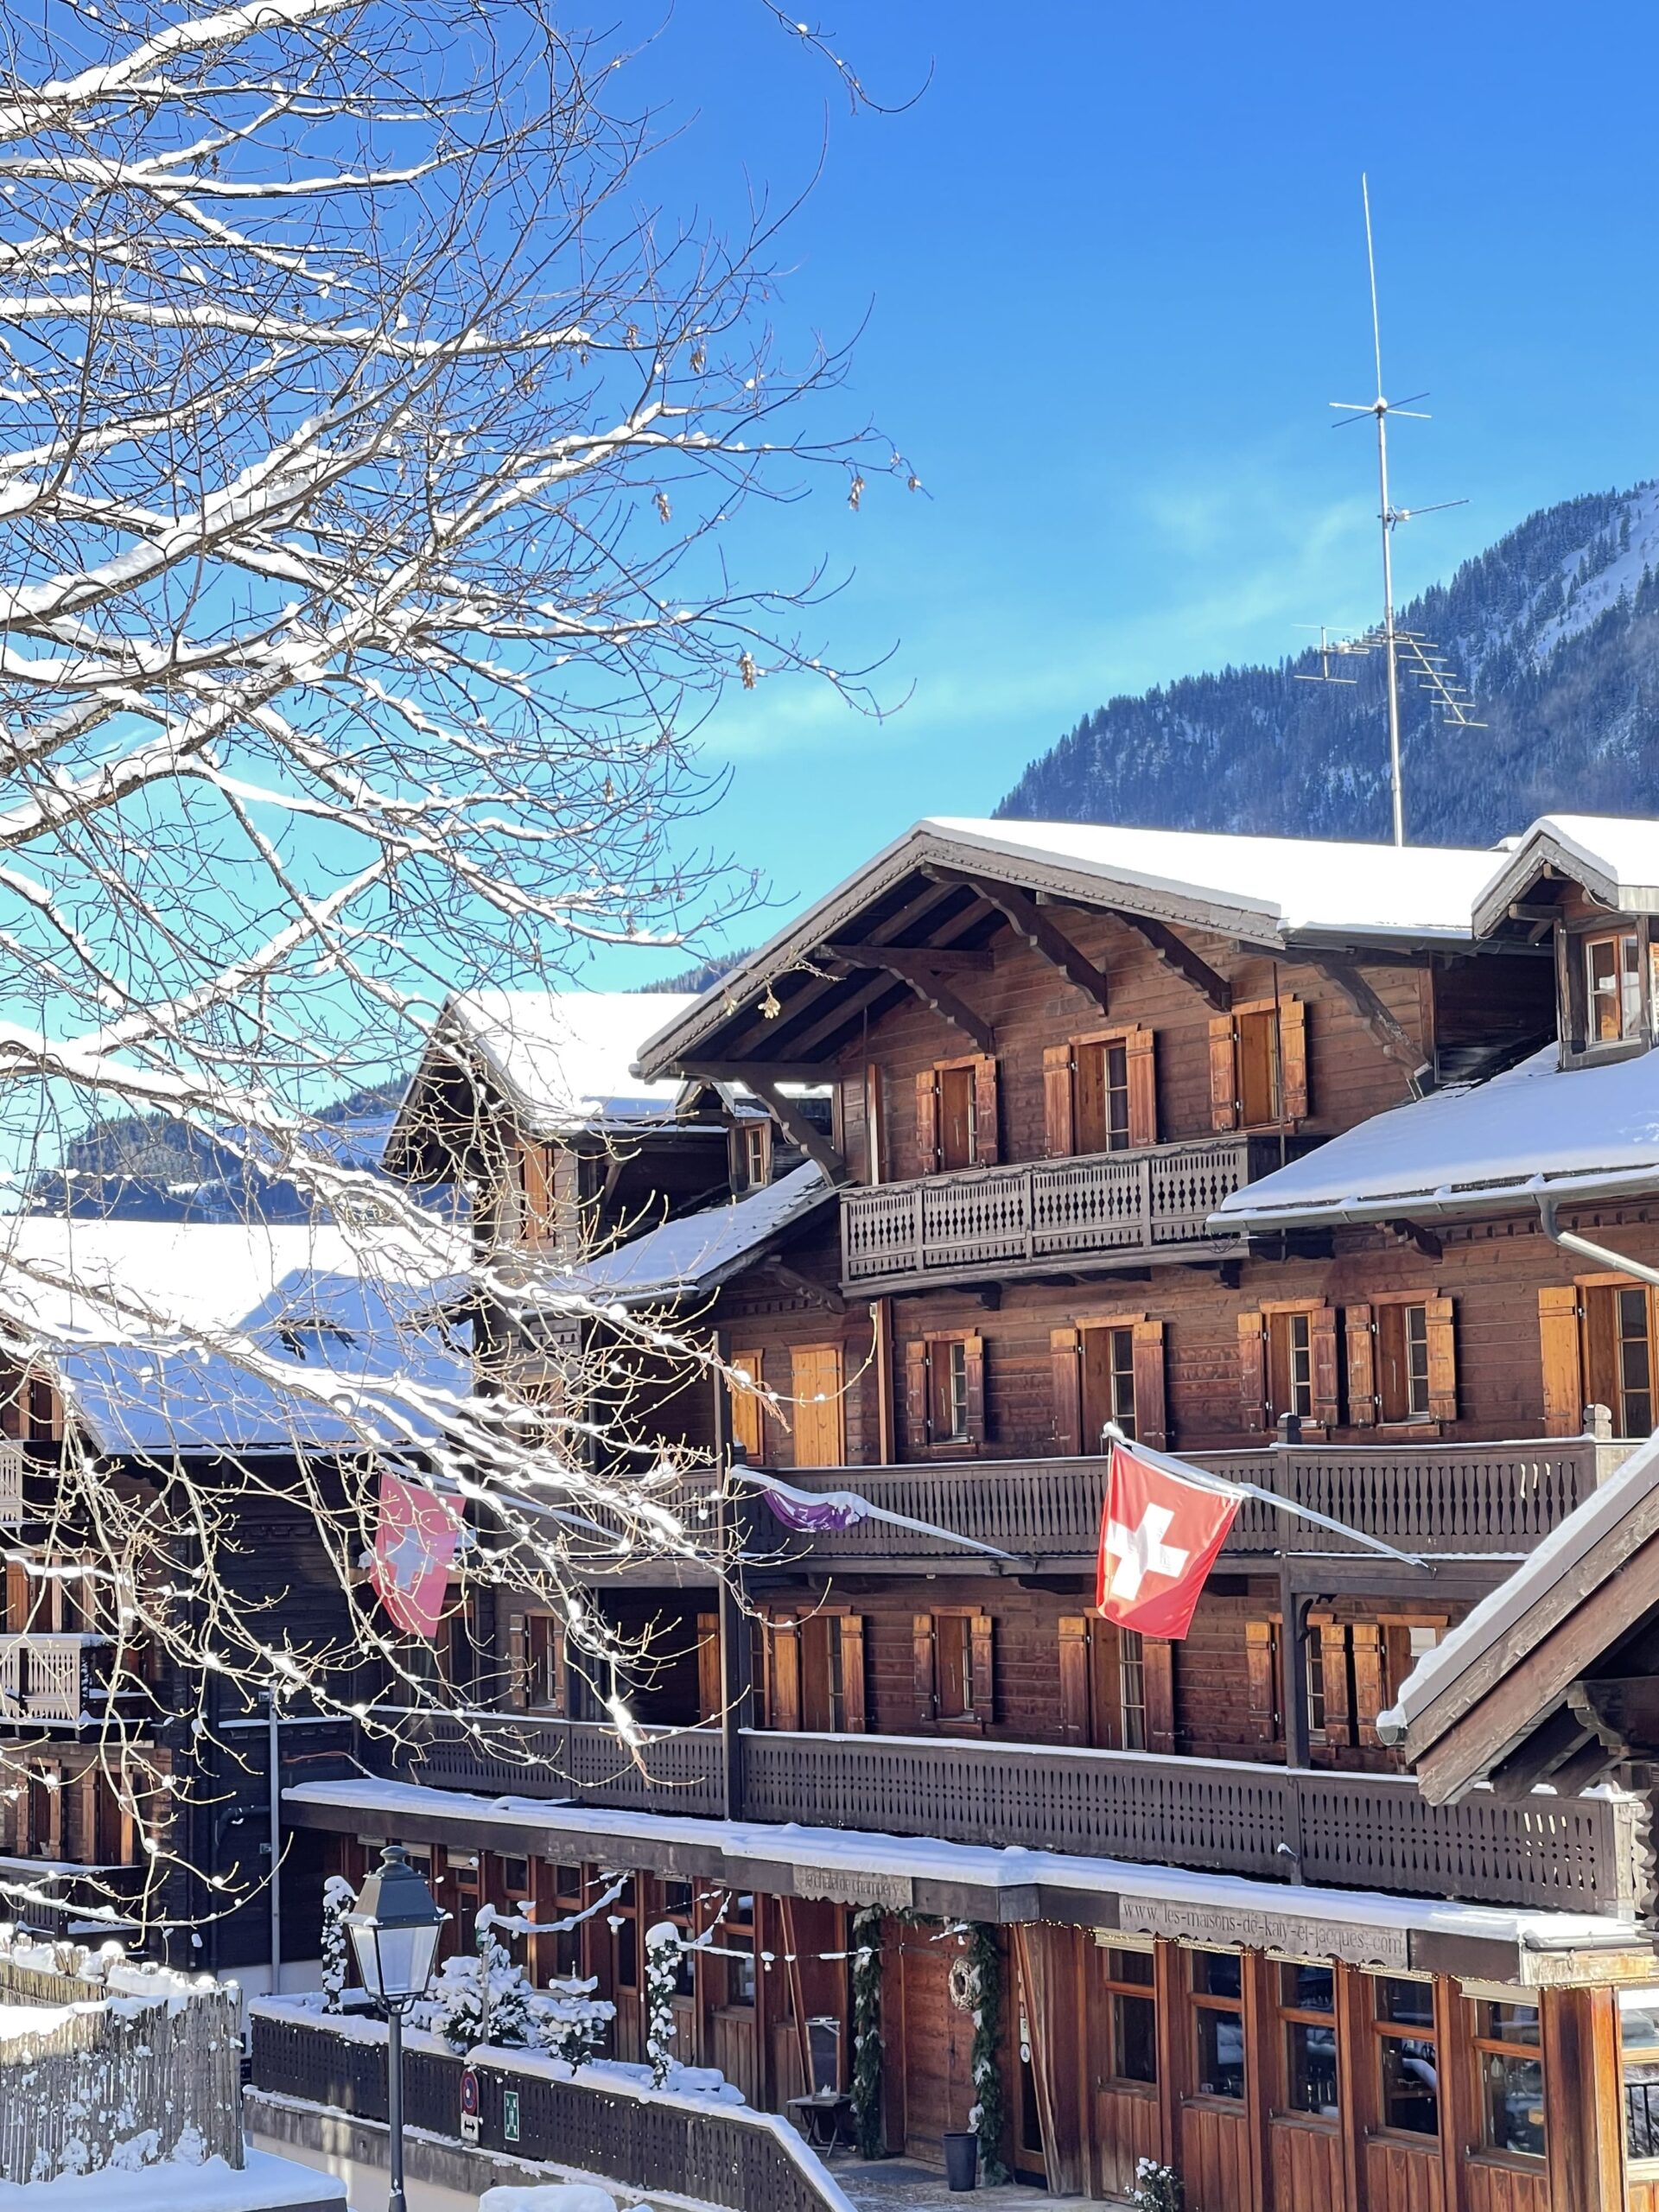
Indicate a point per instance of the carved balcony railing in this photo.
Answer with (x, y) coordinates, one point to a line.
(52, 1677)
(1039, 1216)
(1348, 1830)
(1492, 1501)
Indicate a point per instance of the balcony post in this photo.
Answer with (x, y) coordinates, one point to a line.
(736, 1648)
(1293, 1610)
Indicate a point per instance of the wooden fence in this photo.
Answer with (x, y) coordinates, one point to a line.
(715, 2153)
(141, 2076)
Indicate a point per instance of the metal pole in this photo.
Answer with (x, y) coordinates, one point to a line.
(274, 1764)
(395, 2200)
(1390, 648)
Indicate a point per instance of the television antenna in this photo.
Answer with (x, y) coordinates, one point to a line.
(1421, 657)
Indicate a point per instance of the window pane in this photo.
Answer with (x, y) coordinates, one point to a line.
(1630, 997)
(1311, 2077)
(1638, 2022)
(1411, 2085)
(1220, 2054)
(1129, 1965)
(740, 1970)
(1117, 1098)
(1509, 2023)
(1218, 1973)
(1416, 1360)
(1410, 2003)
(1307, 1989)
(1513, 2103)
(1132, 1692)
(1135, 2038)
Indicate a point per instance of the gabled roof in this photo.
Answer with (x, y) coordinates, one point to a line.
(1614, 857)
(1536, 1131)
(694, 1256)
(780, 1004)
(167, 1336)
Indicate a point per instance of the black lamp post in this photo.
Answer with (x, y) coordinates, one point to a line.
(395, 1925)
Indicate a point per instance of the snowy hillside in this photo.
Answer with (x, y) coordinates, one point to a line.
(1556, 629)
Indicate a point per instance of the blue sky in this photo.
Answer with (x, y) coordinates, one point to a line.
(1111, 271)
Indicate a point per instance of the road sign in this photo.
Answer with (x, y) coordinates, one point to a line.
(468, 2105)
(509, 2115)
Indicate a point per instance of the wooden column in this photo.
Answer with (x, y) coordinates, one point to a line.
(736, 1644)
(1168, 1988)
(1583, 2110)
(1459, 2120)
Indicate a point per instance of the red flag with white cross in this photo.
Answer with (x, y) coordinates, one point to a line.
(413, 1547)
(1159, 1537)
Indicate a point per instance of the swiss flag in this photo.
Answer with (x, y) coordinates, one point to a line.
(1159, 1537)
(413, 1547)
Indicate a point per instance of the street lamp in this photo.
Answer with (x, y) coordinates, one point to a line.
(395, 1925)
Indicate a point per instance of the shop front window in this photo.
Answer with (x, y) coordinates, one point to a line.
(1508, 2040)
(1408, 2063)
(1218, 2023)
(1134, 2054)
(1307, 2008)
(1638, 2030)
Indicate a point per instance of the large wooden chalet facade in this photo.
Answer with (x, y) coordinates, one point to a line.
(1028, 1128)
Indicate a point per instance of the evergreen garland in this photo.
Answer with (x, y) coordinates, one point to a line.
(986, 2117)
(867, 2031)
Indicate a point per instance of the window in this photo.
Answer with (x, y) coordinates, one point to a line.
(1100, 1093)
(1132, 2011)
(954, 1647)
(679, 1903)
(1316, 1665)
(1131, 1690)
(832, 1672)
(625, 1937)
(544, 1662)
(1307, 2013)
(944, 1393)
(948, 1392)
(1258, 1065)
(1117, 1692)
(1402, 1363)
(1508, 2048)
(1288, 1365)
(1108, 1371)
(567, 1902)
(1218, 2024)
(738, 1940)
(1596, 1346)
(1612, 978)
(1639, 2032)
(1632, 1363)
(1407, 2052)
(1108, 1381)
(956, 1114)
(754, 1154)
(953, 1668)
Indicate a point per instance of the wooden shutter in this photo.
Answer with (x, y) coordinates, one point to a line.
(17, 1598)
(1224, 1072)
(1253, 1371)
(927, 1695)
(815, 1387)
(1442, 1360)
(1293, 1060)
(1259, 1668)
(1368, 1677)
(1334, 1651)
(745, 1406)
(1065, 1363)
(984, 1704)
(916, 1395)
(1157, 1675)
(851, 1672)
(985, 1150)
(1558, 1315)
(784, 1673)
(518, 1663)
(1074, 1678)
(1143, 1087)
(1150, 1419)
(1322, 1343)
(537, 1182)
(974, 1371)
(927, 1122)
(1360, 1334)
(708, 1697)
(1059, 1124)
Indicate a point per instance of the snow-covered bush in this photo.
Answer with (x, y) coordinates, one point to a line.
(338, 1899)
(1157, 2188)
(487, 1998)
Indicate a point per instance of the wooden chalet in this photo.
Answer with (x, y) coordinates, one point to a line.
(1335, 1167)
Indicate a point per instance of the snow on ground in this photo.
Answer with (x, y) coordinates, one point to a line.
(264, 2184)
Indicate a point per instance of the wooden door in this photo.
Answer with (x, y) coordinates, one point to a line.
(957, 1148)
(816, 1415)
(936, 2084)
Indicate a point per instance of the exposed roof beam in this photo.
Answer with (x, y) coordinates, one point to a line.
(754, 1072)
(867, 994)
(915, 968)
(1027, 919)
(941, 959)
(1621, 1711)
(1554, 1741)
(1414, 1233)
(1175, 952)
(1380, 1023)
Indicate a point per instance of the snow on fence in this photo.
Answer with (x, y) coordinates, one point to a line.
(128, 2066)
(651, 2140)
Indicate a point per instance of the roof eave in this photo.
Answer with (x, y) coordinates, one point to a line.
(1445, 1203)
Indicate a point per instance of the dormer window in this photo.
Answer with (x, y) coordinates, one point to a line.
(1607, 978)
(1613, 977)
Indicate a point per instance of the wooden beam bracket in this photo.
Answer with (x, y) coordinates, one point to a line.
(1414, 1233)
(1394, 1041)
(919, 968)
(1040, 930)
(1175, 952)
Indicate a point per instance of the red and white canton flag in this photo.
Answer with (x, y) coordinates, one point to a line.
(1159, 1537)
(413, 1548)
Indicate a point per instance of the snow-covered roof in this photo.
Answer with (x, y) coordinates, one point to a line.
(171, 1336)
(564, 1058)
(1537, 1130)
(697, 1252)
(1615, 857)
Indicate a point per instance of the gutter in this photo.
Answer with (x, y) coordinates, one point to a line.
(1447, 1202)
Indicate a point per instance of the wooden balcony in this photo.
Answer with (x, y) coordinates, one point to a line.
(1049, 1217)
(1485, 1501)
(1350, 1831)
(52, 1677)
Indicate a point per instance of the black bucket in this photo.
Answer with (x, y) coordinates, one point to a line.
(961, 2158)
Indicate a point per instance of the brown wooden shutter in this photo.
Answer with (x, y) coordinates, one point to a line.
(1259, 1668)
(1224, 1072)
(1442, 1360)
(927, 1694)
(1360, 1334)
(1074, 1678)
(1059, 1124)
(1558, 1315)
(1333, 1650)
(1369, 1673)
(973, 1372)
(745, 1406)
(1253, 1371)
(916, 1395)
(1158, 1677)
(1143, 1087)
(851, 1672)
(927, 1122)
(17, 1598)
(1322, 1341)
(984, 1707)
(985, 1147)
(1151, 1418)
(537, 1183)
(1066, 1363)
(1292, 1059)
(783, 1643)
(708, 1697)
